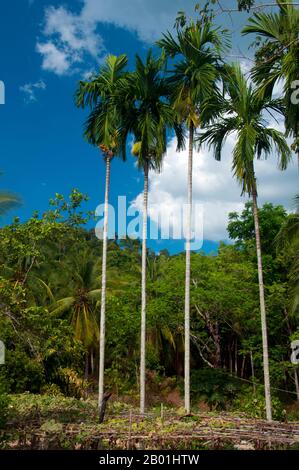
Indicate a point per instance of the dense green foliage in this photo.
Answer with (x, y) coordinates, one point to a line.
(47, 352)
(4, 404)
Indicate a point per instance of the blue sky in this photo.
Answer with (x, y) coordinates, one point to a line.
(46, 47)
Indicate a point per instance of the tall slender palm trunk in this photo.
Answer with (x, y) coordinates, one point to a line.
(143, 294)
(188, 272)
(262, 308)
(103, 296)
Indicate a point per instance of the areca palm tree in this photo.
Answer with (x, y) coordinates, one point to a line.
(278, 58)
(198, 47)
(147, 115)
(102, 130)
(242, 112)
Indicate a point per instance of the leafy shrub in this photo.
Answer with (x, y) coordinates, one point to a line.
(52, 390)
(255, 406)
(117, 380)
(4, 409)
(293, 411)
(23, 373)
(51, 426)
(152, 358)
(72, 384)
(214, 387)
(4, 404)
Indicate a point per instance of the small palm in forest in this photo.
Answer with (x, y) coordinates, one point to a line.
(83, 302)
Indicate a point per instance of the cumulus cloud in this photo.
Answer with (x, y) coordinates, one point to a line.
(54, 60)
(29, 90)
(213, 187)
(88, 74)
(68, 38)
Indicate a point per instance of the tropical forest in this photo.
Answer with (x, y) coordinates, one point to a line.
(110, 343)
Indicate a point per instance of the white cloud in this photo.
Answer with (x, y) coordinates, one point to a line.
(279, 88)
(54, 60)
(68, 39)
(246, 66)
(29, 89)
(75, 31)
(88, 74)
(214, 187)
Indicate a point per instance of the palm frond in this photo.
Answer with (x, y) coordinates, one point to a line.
(48, 290)
(8, 201)
(278, 56)
(242, 111)
(62, 306)
(100, 94)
